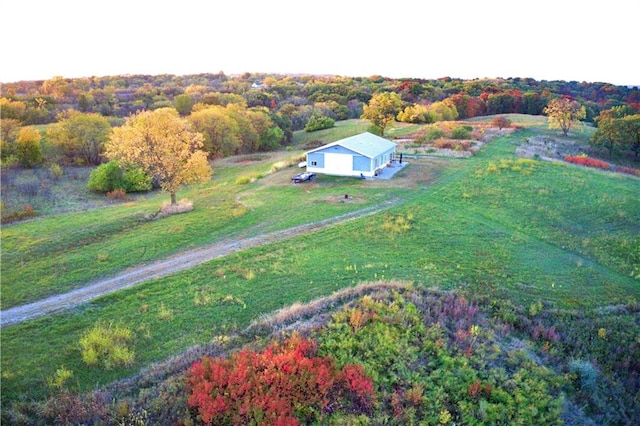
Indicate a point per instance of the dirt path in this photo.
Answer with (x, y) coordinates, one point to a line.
(173, 264)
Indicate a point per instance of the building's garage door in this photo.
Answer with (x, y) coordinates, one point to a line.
(338, 163)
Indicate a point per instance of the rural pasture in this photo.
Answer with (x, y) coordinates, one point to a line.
(518, 234)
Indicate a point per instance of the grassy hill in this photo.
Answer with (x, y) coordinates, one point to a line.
(515, 234)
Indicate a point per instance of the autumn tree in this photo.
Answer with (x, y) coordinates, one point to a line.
(415, 113)
(382, 109)
(12, 109)
(443, 110)
(501, 122)
(80, 136)
(58, 87)
(224, 99)
(9, 131)
(183, 103)
(468, 106)
(631, 133)
(28, 148)
(164, 146)
(608, 133)
(269, 135)
(221, 132)
(563, 113)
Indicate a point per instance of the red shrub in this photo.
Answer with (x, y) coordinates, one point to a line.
(285, 384)
(586, 161)
(360, 386)
(474, 390)
(628, 170)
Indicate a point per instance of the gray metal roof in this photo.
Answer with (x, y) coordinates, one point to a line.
(366, 144)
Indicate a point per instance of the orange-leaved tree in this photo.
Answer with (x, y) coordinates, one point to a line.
(164, 146)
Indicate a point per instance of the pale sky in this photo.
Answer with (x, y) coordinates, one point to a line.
(542, 39)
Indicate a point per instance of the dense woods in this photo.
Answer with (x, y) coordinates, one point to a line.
(259, 112)
(38, 102)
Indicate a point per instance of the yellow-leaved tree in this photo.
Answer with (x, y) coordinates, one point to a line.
(564, 113)
(164, 146)
(382, 110)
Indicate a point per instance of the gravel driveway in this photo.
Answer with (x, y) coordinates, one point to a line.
(171, 265)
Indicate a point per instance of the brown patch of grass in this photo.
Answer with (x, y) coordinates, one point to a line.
(292, 315)
(344, 198)
(168, 209)
(313, 144)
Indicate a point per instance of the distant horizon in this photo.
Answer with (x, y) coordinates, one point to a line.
(547, 41)
(283, 73)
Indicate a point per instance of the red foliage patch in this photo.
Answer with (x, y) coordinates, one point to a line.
(25, 213)
(628, 170)
(586, 161)
(285, 384)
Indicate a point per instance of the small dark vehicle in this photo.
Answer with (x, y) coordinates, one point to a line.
(302, 177)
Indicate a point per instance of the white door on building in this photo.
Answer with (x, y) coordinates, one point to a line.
(338, 163)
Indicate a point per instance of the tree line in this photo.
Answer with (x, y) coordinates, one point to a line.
(260, 112)
(39, 102)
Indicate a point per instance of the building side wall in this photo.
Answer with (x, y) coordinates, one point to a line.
(315, 160)
(340, 161)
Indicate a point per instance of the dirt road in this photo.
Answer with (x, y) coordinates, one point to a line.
(173, 264)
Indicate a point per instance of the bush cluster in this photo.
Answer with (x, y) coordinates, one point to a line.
(111, 176)
(440, 363)
(319, 122)
(395, 356)
(455, 145)
(461, 132)
(26, 213)
(432, 134)
(628, 170)
(600, 354)
(587, 161)
(107, 345)
(285, 384)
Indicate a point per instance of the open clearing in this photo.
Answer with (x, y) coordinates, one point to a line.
(169, 266)
(493, 225)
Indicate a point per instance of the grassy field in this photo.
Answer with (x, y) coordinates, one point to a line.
(492, 225)
(61, 252)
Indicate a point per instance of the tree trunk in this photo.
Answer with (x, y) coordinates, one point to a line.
(173, 198)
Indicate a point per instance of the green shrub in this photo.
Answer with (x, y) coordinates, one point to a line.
(435, 363)
(55, 171)
(61, 376)
(319, 122)
(136, 180)
(433, 133)
(29, 152)
(106, 177)
(585, 374)
(461, 133)
(110, 176)
(10, 162)
(243, 180)
(107, 345)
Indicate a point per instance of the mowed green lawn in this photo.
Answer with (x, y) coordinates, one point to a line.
(493, 225)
